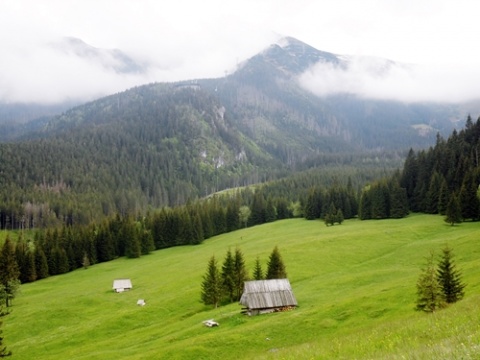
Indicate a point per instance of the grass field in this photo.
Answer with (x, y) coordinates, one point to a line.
(355, 285)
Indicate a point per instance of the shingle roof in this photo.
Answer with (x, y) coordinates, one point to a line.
(264, 294)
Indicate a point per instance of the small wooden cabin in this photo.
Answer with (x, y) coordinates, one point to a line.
(121, 285)
(266, 296)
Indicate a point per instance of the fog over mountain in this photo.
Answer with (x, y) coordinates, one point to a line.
(377, 78)
(78, 71)
(53, 51)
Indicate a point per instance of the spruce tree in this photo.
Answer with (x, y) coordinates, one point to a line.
(240, 273)
(331, 215)
(212, 284)
(398, 202)
(365, 207)
(429, 292)
(9, 271)
(339, 217)
(197, 233)
(228, 275)
(443, 197)
(469, 202)
(449, 277)
(41, 264)
(275, 266)
(257, 270)
(453, 214)
(232, 216)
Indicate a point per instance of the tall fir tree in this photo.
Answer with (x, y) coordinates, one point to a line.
(212, 284)
(228, 276)
(240, 273)
(453, 213)
(443, 197)
(258, 209)
(449, 277)
(365, 207)
(469, 202)
(275, 266)
(398, 202)
(257, 270)
(232, 215)
(9, 271)
(41, 264)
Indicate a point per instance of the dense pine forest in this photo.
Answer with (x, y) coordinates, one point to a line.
(436, 180)
(443, 179)
(149, 147)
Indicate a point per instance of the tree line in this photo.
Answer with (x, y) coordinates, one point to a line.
(57, 250)
(443, 179)
(452, 193)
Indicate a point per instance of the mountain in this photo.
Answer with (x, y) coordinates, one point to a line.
(110, 59)
(168, 143)
(292, 114)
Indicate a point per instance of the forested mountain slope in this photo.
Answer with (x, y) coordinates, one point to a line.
(167, 143)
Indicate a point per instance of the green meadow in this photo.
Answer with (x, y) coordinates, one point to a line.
(355, 284)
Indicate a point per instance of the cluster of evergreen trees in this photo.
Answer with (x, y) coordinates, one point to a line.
(439, 285)
(226, 285)
(443, 179)
(55, 251)
(321, 203)
(383, 199)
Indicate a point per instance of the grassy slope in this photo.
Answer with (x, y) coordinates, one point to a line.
(355, 285)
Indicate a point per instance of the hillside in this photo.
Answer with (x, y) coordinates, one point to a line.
(169, 143)
(355, 285)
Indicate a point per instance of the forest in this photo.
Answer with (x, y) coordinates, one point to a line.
(434, 181)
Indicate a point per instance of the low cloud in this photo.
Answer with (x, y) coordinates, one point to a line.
(375, 78)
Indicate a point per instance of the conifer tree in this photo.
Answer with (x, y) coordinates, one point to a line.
(257, 270)
(398, 202)
(449, 277)
(433, 193)
(232, 216)
(453, 214)
(443, 197)
(469, 202)
(270, 212)
(240, 273)
(339, 217)
(212, 284)
(429, 292)
(365, 207)
(228, 275)
(9, 271)
(258, 209)
(41, 264)
(275, 266)
(331, 215)
(130, 240)
(197, 232)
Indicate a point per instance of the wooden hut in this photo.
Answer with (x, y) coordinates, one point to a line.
(266, 296)
(121, 285)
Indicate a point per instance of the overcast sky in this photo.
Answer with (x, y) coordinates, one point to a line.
(185, 39)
